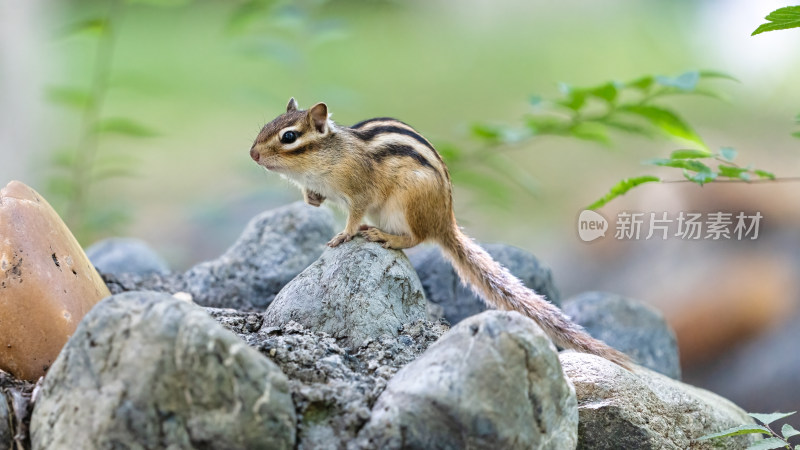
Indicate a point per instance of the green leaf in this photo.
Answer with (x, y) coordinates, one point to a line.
(727, 153)
(123, 126)
(628, 127)
(607, 92)
(685, 81)
(789, 431)
(714, 74)
(770, 176)
(247, 13)
(734, 172)
(700, 178)
(796, 134)
(768, 444)
(644, 83)
(736, 431)
(68, 96)
(767, 419)
(591, 131)
(690, 153)
(547, 125)
(666, 120)
(780, 19)
(91, 27)
(486, 132)
(574, 101)
(687, 164)
(621, 188)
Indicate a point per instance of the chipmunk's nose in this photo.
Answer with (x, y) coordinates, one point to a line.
(254, 154)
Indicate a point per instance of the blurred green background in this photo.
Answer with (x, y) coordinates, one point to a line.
(205, 82)
(204, 76)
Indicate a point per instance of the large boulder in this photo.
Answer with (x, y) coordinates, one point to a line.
(144, 370)
(126, 255)
(646, 410)
(47, 283)
(444, 289)
(630, 327)
(493, 381)
(355, 292)
(274, 247)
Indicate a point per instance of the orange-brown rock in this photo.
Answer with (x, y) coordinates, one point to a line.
(750, 295)
(47, 283)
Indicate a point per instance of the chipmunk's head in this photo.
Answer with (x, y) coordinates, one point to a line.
(292, 143)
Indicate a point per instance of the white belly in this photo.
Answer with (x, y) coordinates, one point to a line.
(390, 218)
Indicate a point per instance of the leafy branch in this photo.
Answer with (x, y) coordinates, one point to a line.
(695, 170)
(595, 114)
(695, 167)
(774, 440)
(593, 124)
(283, 31)
(780, 19)
(592, 113)
(797, 133)
(77, 170)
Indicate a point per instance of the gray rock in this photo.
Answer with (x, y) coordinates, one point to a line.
(146, 371)
(443, 288)
(15, 411)
(355, 292)
(333, 389)
(494, 381)
(6, 418)
(646, 410)
(125, 255)
(629, 326)
(274, 247)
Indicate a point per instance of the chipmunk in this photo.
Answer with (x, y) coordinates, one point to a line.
(384, 169)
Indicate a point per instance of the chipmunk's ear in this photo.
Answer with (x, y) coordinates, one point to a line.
(318, 117)
(292, 106)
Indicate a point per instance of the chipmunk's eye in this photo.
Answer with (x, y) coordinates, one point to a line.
(288, 137)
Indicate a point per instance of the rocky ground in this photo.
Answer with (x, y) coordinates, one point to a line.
(283, 343)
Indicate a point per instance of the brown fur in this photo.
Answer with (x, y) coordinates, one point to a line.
(402, 183)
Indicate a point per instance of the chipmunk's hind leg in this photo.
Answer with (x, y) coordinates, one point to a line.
(397, 242)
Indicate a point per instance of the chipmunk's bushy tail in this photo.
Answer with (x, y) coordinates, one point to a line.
(502, 290)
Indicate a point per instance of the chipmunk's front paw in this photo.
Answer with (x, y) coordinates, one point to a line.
(313, 198)
(340, 238)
